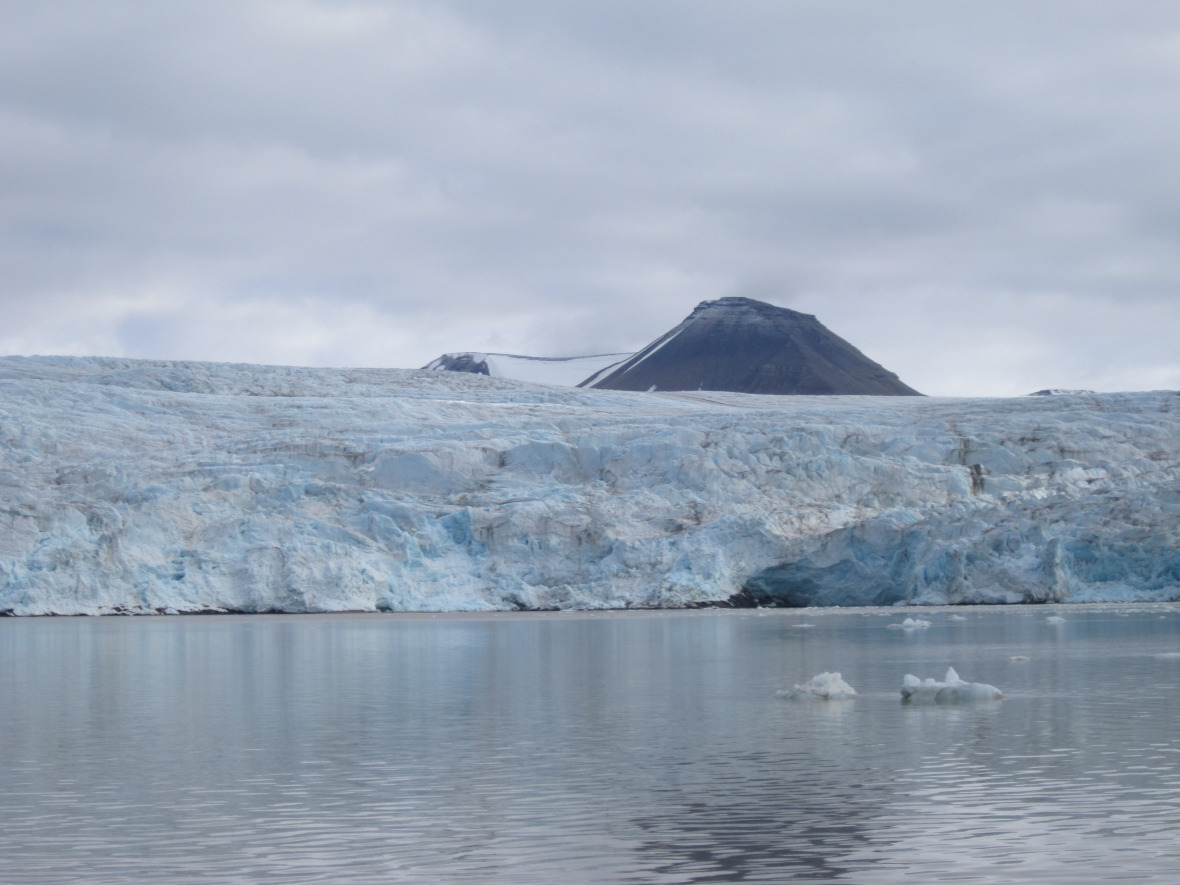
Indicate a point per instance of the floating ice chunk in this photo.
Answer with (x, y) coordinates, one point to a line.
(825, 686)
(1054, 619)
(968, 692)
(910, 624)
(957, 618)
(802, 626)
(1169, 656)
(914, 689)
(1019, 659)
(952, 690)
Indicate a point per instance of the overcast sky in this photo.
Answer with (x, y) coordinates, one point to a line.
(982, 196)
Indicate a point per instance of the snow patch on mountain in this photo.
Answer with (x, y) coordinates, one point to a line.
(142, 486)
(638, 358)
(560, 371)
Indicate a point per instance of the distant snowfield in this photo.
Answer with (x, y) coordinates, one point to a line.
(133, 486)
(560, 371)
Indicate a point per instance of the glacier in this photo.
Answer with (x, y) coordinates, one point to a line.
(132, 486)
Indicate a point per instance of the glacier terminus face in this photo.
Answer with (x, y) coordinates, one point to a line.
(143, 487)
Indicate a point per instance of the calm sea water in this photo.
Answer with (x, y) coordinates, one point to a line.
(638, 747)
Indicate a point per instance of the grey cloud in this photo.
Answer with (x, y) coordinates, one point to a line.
(965, 191)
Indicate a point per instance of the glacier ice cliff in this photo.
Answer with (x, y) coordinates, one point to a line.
(138, 486)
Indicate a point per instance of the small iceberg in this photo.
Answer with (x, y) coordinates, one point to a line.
(957, 618)
(1054, 619)
(910, 624)
(824, 687)
(952, 690)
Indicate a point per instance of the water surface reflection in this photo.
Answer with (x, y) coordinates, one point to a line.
(608, 747)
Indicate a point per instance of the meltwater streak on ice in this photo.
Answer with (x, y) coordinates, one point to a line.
(145, 486)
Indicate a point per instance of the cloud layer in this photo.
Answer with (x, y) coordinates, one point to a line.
(982, 196)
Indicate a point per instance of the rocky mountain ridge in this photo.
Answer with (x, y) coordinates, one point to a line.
(735, 345)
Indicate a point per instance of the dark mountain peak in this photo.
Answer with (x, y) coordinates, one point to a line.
(747, 346)
(735, 311)
(737, 306)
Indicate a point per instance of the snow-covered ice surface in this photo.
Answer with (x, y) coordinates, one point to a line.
(952, 690)
(824, 687)
(153, 486)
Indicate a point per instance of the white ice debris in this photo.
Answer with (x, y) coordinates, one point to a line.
(825, 686)
(956, 618)
(141, 486)
(910, 624)
(952, 690)
(1054, 619)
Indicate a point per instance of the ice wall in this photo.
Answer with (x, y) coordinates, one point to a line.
(149, 486)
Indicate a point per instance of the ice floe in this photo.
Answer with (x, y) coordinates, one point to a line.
(910, 624)
(952, 690)
(825, 687)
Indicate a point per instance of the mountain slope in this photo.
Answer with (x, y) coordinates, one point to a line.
(747, 346)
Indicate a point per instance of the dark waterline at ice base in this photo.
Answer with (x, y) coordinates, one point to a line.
(638, 747)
